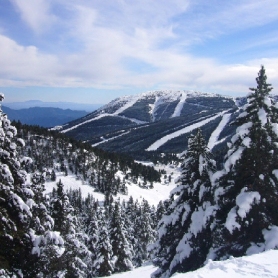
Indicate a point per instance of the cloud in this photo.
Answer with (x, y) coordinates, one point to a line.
(36, 13)
(144, 44)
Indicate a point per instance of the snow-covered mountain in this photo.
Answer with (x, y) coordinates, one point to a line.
(155, 121)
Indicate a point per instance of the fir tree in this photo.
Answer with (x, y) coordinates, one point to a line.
(120, 246)
(184, 232)
(15, 214)
(48, 244)
(74, 261)
(248, 184)
(103, 265)
(144, 234)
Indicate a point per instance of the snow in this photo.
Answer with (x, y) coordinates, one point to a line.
(262, 116)
(161, 191)
(179, 106)
(184, 130)
(244, 203)
(259, 265)
(213, 140)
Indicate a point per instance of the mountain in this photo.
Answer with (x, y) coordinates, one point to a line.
(62, 105)
(158, 121)
(43, 116)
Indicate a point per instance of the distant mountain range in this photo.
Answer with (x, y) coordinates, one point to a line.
(157, 122)
(43, 116)
(61, 105)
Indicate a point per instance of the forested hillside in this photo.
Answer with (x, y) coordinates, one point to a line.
(63, 234)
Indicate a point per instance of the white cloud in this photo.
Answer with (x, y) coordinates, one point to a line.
(36, 13)
(109, 35)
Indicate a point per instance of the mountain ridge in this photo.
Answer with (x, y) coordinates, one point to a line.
(132, 124)
(61, 104)
(43, 116)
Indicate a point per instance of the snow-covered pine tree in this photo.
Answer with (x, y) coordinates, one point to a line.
(248, 184)
(15, 213)
(103, 265)
(120, 246)
(76, 258)
(91, 228)
(184, 233)
(48, 244)
(143, 233)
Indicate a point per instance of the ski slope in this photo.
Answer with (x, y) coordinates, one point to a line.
(213, 140)
(179, 106)
(184, 130)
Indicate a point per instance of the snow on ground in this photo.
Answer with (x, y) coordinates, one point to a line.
(184, 130)
(70, 181)
(213, 140)
(179, 106)
(160, 191)
(259, 265)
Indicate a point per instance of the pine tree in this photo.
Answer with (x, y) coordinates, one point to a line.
(103, 265)
(48, 244)
(15, 214)
(144, 234)
(184, 232)
(248, 184)
(74, 261)
(120, 246)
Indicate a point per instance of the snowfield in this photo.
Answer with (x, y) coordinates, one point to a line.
(260, 265)
(160, 191)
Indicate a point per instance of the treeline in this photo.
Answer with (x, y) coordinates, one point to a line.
(55, 152)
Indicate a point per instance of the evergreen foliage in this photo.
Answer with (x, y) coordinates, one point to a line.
(103, 264)
(247, 193)
(121, 248)
(25, 226)
(184, 235)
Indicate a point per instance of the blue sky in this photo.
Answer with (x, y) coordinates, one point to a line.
(92, 51)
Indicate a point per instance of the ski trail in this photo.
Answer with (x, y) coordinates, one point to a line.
(109, 139)
(83, 123)
(175, 134)
(154, 107)
(120, 110)
(215, 134)
(127, 105)
(179, 106)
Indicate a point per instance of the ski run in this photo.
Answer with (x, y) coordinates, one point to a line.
(184, 130)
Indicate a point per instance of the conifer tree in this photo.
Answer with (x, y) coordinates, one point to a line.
(15, 213)
(120, 246)
(248, 195)
(48, 244)
(184, 232)
(144, 234)
(103, 265)
(74, 261)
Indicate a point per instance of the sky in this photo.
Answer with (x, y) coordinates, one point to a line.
(93, 51)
